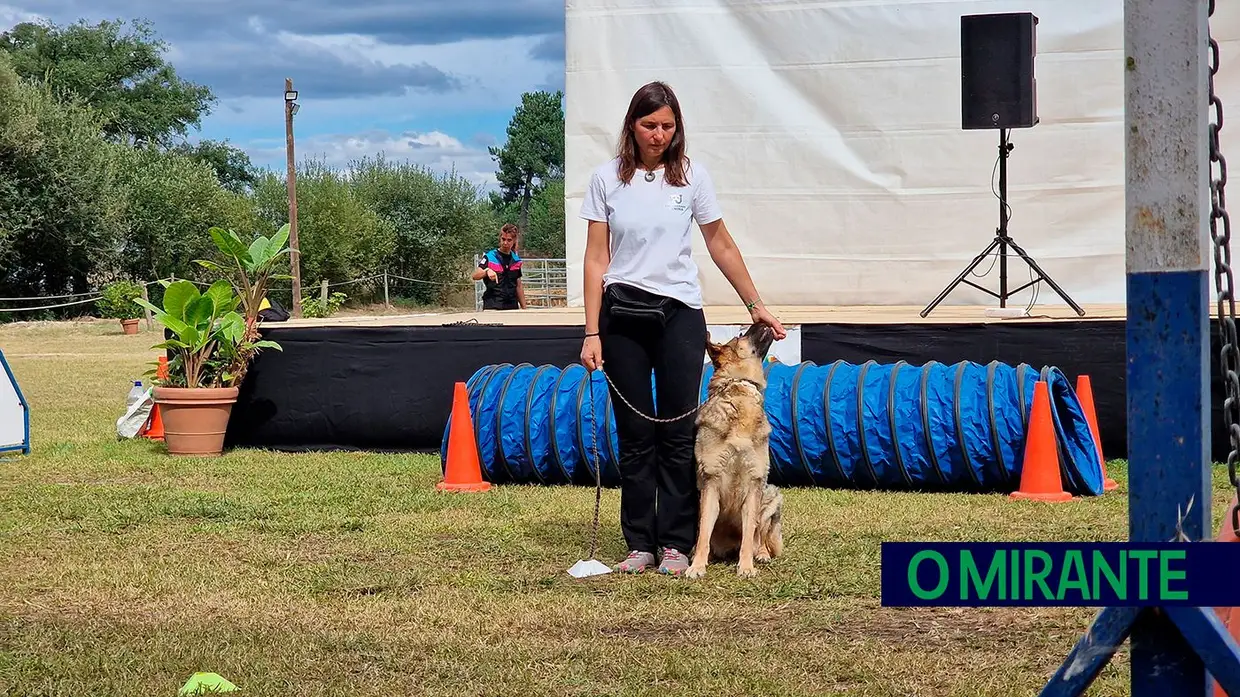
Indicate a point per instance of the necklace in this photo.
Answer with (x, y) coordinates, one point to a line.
(649, 175)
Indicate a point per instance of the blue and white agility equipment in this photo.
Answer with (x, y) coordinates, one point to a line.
(895, 426)
(1169, 215)
(14, 413)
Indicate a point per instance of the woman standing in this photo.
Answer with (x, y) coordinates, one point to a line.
(643, 308)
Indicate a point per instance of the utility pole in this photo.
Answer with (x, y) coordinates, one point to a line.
(290, 108)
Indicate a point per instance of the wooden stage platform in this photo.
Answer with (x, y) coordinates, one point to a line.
(385, 381)
(727, 314)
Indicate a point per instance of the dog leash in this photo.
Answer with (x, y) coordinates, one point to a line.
(598, 469)
(598, 473)
(637, 411)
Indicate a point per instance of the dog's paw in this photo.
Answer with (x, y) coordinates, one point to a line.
(762, 557)
(695, 572)
(746, 572)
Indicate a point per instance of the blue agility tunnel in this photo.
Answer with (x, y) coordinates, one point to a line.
(897, 426)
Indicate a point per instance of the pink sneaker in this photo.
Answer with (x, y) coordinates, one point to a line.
(636, 562)
(674, 563)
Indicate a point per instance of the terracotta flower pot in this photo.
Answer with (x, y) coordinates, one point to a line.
(129, 326)
(195, 419)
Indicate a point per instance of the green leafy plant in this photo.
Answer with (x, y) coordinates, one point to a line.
(253, 265)
(117, 300)
(250, 270)
(314, 307)
(208, 334)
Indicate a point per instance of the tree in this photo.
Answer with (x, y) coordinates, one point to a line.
(545, 238)
(124, 77)
(170, 200)
(340, 237)
(534, 152)
(440, 221)
(232, 165)
(59, 202)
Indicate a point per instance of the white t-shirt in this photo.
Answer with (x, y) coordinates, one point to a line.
(651, 228)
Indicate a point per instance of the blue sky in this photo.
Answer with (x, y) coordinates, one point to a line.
(430, 81)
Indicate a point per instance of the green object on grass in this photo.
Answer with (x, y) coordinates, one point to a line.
(205, 683)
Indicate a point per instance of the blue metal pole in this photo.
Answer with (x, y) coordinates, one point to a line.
(1168, 262)
(1167, 202)
(1168, 205)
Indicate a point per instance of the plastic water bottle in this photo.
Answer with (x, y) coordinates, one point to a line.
(136, 393)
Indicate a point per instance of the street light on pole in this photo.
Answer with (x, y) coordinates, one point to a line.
(290, 108)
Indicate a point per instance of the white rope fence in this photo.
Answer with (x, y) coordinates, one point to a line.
(94, 296)
(50, 307)
(539, 284)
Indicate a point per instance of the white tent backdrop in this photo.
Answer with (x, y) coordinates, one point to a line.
(832, 131)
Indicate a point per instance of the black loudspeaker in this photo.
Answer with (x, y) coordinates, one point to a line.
(997, 85)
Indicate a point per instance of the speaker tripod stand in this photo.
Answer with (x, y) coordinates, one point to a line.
(1003, 241)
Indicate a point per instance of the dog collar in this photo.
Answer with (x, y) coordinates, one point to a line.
(731, 381)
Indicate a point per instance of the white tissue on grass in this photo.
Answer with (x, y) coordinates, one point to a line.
(593, 567)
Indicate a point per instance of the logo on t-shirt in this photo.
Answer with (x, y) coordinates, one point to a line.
(676, 203)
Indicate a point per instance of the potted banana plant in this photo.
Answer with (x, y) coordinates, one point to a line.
(250, 268)
(117, 302)
(212, 337)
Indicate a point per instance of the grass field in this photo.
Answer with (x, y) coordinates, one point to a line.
(125, 571)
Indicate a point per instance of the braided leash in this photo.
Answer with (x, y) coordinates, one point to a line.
(598, 470)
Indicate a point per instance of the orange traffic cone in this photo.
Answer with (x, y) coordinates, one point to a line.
(1039, 474)
(154, 427)
(1229, 616)
(1085, 392)
(463, 471)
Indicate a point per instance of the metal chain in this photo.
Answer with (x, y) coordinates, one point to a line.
(639, 412)
(1224, 282)
(598, 470)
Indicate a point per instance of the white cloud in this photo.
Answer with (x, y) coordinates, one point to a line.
(488, 73)
(10, 16)
(352, 101)
(435, 150)
(493, 73)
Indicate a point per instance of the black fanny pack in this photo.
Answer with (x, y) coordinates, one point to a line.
(627, 302)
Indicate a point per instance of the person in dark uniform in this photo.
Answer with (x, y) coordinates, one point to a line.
(500, 272)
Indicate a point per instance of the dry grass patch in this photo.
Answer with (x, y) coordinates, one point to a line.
(126, 570)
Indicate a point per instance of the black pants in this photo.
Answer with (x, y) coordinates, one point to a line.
(658, 480)
(496, 304)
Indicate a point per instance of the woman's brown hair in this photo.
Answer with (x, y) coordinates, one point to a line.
(648, 99)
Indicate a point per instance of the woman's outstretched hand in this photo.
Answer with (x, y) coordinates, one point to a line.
(592, 353)
(763, 315)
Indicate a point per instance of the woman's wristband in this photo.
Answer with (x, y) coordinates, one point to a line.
(590, 334)
(751, 305)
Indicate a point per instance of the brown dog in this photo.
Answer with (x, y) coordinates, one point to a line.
(740, 514)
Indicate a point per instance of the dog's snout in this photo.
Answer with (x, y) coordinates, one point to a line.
(760, 332)
(760, 336)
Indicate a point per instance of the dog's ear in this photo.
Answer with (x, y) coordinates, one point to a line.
(714, 351)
